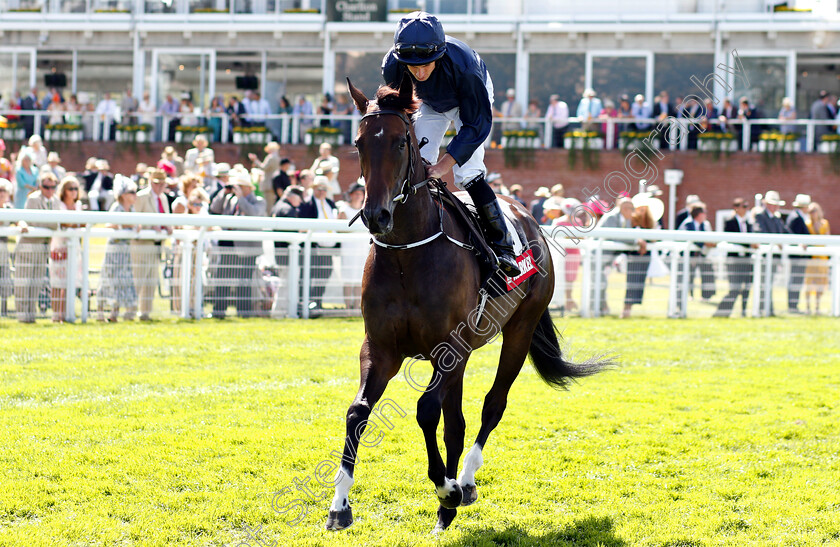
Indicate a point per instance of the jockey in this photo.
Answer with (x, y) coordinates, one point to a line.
(454, 85)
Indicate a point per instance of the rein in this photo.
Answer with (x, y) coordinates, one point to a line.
(407, 189)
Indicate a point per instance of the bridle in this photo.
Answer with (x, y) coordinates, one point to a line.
(407, 189)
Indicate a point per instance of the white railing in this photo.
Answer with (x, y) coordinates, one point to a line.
(294, 129)
(199, 262)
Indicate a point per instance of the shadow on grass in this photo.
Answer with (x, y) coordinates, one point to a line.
(590, 531)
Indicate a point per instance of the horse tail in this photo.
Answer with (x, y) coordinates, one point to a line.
(547, 357)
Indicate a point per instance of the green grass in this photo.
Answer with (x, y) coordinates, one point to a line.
(178, 433)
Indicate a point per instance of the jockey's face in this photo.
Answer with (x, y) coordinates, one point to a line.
(421, 73)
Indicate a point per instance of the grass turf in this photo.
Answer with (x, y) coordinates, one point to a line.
(178, 433)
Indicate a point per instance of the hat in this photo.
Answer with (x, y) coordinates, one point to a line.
(167, 167)
(542, 192)
(516, 188)
(552, 204)
(588, 92)
(2, 145)
(639, 97)
(491, 177)
(53, 156)
(6, 185)
(273, 145)
(568, 205)
(222, 169)
(296, 190)
(355, 187)
(510, 92)
(557, 189)
(103, 165)
(691, 198)
(123, 185)
(772, 197)
(200, 137)
(654, 205)
(653, 190)
(419, 39)
(169, 151)
(596, 206)
(321, 182)
(241, 177)
(157, 176)
(802, 200)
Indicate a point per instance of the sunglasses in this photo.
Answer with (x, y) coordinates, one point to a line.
(421, 50)
(73, 189)
(196, 204)
(130, 192)
(45, 187)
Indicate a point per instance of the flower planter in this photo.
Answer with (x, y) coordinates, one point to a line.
(316, 139)
(790, 146)
(710, 145)
(63, 135)
(595, 143)
(253, 137)
(135, 136)
(188, 136)
(632, 144)
(12, 134)
(828, 147)
(521, 142)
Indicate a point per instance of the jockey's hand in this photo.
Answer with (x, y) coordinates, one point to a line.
(441, 168)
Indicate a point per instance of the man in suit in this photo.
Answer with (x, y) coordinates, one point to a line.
(99, 186)
(319, 206)
(796, 224)
(30, 102)
(820, 111)
(621, 216)
(237, 259)
(696, 222)
(662, 110)
(145, 254)
(684, 213)
(511, 109)
(767, 221)
(738, 263)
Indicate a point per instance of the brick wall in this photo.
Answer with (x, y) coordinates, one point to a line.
(717, 183)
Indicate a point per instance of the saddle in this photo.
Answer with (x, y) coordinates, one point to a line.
(464, 212)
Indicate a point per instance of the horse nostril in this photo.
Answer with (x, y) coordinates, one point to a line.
(383, 218)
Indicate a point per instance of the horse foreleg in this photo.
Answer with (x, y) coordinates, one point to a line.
(454, 427)
(377, 368)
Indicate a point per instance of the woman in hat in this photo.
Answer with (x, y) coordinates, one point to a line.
(353, 253)
(116, 283)
(816, 272)
(68, 195)
(200, 158)
(571, 216)
(26, 179)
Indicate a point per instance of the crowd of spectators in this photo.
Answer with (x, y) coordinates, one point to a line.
(195, 184)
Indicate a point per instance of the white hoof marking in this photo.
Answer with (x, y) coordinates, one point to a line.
(472, 462)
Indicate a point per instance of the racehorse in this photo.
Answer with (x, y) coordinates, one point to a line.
(421, 298)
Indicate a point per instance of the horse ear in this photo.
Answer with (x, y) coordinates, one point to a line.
(358, 97)
(406, 89)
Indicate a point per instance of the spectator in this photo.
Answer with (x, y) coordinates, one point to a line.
(146, 110)
(534, 115)
(816, 273)
(353, 253)
(271, 167)
(624, 112)
(170, 155)
(537, 204)
(36, 150)
(73, 111)
(286, 108)
(258, 110)
(797, 223)
(738, 263)
(187, 111)
(344, 108)
(221, 177)
(128, 107)
(589, 108)
(728, 112)
(214, 117)
(558, 194)
(319, 206)
(647, 212)
(7, 286)
(68, 200)
(99, 186)
(237, 113)
(325, 109)
(145, 254)
(139, 172)
(571, 216)
(29, 103)
(662, 110)
(186, 184)
(116, 283)
(32, 253)
(697, 223)
(304, 111)
(557, 114)
(621, 216)
(329, 166)
(684, 213)
(171, 114)
(516, 193)
(191, 200)
(200, 160)
(282, 180)
(288, 206)
(56, 113)
(26, 179)
(496, 184)
(746, 113)
(820, 111)
(787, 113)
(7, 170)
(54, 166)
(640, 111)
(239, 264)
(609, 111)
(768, 221)
(107, 112)
(511, 109)
(692, 110)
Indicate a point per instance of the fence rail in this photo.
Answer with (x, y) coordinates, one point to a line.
(294, 268)
(305, 129)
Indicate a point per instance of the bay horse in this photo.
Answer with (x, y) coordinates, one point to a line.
(420, 295)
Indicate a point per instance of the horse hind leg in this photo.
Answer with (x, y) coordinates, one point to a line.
(517, 339)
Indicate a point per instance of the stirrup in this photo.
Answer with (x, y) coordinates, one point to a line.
(499, 238)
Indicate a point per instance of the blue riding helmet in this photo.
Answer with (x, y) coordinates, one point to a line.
(419, 39)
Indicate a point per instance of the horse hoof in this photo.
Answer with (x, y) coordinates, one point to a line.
(339, 520)
(470, 494)
(453, 499)
(445, 518)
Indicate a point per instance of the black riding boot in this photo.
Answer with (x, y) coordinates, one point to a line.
(493, 224)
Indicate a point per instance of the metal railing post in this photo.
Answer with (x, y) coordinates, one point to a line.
(86, 275)
(72, 271)
(757, 287)
(293, 283)
(198, 288)
(307, 274)
(186, 276)
(586, 281)
(599, 273)
(768, 286)
(686, 281)
(672, 284)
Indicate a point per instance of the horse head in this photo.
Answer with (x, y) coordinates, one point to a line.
(388, 152)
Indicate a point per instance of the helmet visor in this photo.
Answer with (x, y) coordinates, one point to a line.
(417, 51)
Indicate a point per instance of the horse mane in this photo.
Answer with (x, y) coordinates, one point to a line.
(390, 98)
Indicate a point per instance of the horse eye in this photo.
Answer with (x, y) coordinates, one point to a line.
(402, 145)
